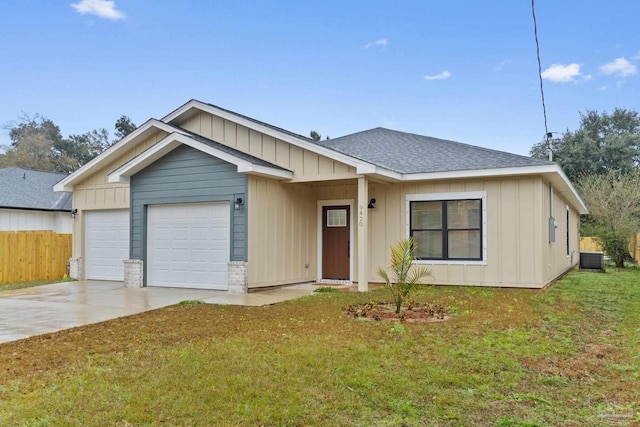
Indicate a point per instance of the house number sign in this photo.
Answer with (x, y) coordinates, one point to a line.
(361, 215)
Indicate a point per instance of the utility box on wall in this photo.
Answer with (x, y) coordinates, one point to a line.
(593, 261)
(552, 229)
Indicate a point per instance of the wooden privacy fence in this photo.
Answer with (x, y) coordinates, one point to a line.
(33, 255)
(589, 244)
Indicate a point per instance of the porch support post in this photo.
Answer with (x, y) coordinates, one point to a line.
(363, 234)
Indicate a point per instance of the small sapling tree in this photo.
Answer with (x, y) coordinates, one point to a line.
(402, 275)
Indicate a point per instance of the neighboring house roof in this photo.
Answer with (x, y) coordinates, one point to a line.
(409, 153)
(32, 190)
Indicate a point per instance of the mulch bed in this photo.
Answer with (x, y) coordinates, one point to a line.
(414, 312)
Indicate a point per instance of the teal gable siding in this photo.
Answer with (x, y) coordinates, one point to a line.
(187, 175)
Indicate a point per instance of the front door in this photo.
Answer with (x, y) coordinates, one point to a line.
(335, 242)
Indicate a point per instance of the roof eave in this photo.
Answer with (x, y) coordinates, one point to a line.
(552, 172)
(175, 139)
(145, 130)
(252, 169)
(23, 208)
(186, 111)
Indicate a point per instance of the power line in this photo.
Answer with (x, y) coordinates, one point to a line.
(544, 107)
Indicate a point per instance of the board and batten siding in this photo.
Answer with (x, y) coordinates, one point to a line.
(517, 214)
(556, 260)
(519, 253)
(515, 224)
(96, 193)
(515, 221)
(282, 232)
(186, 175)
(306, 165)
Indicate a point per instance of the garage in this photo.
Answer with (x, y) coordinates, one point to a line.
(106, 244)
(188, 245)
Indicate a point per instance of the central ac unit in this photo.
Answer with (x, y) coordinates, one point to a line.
(592, 261)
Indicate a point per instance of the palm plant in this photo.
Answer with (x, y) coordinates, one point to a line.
(403, 275)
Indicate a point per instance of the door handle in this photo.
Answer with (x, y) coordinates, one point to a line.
(348, 248)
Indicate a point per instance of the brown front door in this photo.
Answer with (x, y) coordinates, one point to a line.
(335, 242)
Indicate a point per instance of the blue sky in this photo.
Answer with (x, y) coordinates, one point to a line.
(459, 70)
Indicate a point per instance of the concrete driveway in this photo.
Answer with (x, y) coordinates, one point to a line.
(50, 308)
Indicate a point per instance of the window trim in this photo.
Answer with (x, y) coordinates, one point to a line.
(435, 197)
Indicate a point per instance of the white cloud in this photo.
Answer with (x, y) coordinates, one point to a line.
(441, 76)
(559, 73)
(102, 8)
(620, 67)
(377, 43)
(502, 64)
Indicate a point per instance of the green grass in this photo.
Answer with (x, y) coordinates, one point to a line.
(30, 284)
(569, 355)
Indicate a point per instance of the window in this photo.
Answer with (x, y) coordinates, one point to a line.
(337, 218)
(448, 229)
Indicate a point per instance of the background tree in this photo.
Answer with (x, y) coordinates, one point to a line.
(32, 143)
(315, 136)
(75, 151)
(124, 126)
(613, 200)
(603, 143)
(37, 143)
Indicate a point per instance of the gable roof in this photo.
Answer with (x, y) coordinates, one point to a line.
(241, 155)
(194, 106)
(186, 107)
(244, 162)
(384, 153)
(32, 190)
(145, 130)
(408, 153)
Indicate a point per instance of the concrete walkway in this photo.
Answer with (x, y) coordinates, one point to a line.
(50, 308)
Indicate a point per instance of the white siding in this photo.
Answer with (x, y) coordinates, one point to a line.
(25, 220)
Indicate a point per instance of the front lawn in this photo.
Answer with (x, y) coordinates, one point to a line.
(566, 356)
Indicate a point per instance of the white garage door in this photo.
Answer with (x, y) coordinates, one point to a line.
(188, 245)
(106, 236)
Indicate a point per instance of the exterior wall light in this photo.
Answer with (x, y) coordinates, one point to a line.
(372, 203)
(74, 213)
(238, 201)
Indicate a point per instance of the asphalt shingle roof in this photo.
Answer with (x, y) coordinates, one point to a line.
(276, 128)
(30, 189)
(410, 153)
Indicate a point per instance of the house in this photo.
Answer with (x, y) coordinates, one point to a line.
(209, 198)
(35, 226)
(28, 202)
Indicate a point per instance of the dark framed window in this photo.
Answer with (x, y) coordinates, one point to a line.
(447, 229)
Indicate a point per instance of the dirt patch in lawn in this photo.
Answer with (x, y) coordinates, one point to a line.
(591, 360)
(386, 311)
